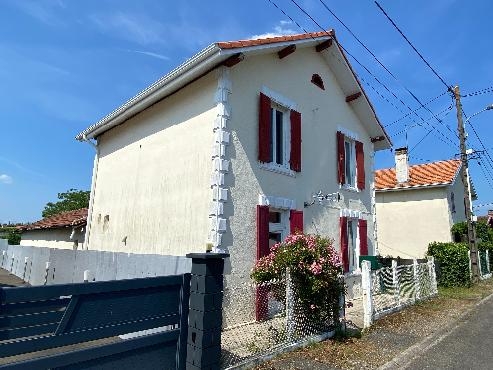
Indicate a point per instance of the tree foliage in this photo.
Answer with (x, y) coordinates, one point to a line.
(12, 234)
(68, 201)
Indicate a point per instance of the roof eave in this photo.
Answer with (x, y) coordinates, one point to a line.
(173, 81)
(414, 187)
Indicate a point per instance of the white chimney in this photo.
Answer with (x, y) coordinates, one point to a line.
(401, 165)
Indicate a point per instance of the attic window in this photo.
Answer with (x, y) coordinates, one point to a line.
(317, 80)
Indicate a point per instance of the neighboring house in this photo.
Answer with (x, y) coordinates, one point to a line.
(229, 148)
(488, 219)
(65, 230)
(417, 205)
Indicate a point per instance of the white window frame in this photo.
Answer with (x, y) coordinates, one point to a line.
(280, 227)
(350, 159)
(353, 245)
(284, 105)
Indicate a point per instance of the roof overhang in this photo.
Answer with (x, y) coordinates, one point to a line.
(213, 56)
(414, 187)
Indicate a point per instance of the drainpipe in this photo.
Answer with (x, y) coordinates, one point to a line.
(93, 188)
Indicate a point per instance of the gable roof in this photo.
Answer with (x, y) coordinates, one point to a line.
(77, 217)
(215, 55)
(439, 173)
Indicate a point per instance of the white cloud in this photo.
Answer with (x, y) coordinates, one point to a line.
(6, 179)
(282, 29)
(132, 27)
(42, 10)
(150, 54)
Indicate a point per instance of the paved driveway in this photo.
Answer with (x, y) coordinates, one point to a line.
(469, 345)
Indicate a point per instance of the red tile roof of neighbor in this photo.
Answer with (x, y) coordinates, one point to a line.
(420, 175)
(272, 40)
(64, 219)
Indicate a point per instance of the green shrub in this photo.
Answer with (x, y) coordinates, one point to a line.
(12, 234)
(453, 261)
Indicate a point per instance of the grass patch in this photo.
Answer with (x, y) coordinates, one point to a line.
(476, 291)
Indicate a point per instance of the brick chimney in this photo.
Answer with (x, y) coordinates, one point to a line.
(401, 165)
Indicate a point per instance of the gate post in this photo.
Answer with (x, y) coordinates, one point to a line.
(205, 316)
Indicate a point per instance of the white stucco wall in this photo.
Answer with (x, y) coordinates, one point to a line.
(322, 111)
(458, 190)
(54, 238)
(152, 192)
(408, 220)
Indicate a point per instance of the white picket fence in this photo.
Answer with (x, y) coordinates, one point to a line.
(390, 289)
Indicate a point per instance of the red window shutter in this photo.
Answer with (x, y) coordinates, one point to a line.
(360, 165)
(295, 158)
(296, 221)
(363, 237)
(262, 231)
(261, 294)
(340, 158)
(344, 244)
(264, 129)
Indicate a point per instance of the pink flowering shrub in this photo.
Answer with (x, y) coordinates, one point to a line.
(315, 268)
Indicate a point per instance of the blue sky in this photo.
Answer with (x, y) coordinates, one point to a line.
(66, 63)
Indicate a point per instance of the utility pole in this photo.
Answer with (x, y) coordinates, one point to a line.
(471, 227)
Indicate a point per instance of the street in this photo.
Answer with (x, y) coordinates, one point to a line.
(466, 346)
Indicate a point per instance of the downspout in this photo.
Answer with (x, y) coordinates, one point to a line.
(93, 188)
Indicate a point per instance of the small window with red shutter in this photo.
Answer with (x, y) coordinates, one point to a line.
(350, 162)
(279, 136)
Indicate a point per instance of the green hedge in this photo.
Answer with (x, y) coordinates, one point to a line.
(453, 262)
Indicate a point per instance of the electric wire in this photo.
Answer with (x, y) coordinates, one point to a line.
(479, 92)
(371, 53)
(413, 47)
(415, 110)
(445, 139)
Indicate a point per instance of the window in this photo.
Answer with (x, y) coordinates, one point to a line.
(279, 144)
(279, 136)
(350, 162)
(353, 254)
(277, 226)
(354, 243)
(452, 202)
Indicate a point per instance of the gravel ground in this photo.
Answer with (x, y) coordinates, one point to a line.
(388, 337)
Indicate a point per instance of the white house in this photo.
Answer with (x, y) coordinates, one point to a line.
(417, 205)
(65, 230)
(230, 149)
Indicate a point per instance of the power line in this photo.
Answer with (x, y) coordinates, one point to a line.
(413, 47)
(371, 53)
(415, 110)
(419, 142)
(485, 176)
(381, 83)
(446, 111)
(479, 92)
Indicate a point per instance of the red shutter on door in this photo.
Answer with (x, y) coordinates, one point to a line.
(340, 158)
(264, 129)
(344, 244)
(261, 294)
(360, 165)
(363, 237)
(262, 231)
(295, 159)
(296, 221)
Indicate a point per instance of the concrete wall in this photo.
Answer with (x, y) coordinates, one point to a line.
(54, 238)
(408, 220)
(68, 266)
(152, 191)
(322, 112)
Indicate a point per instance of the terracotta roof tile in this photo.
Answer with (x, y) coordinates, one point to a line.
(272, 40)
(441, 172)
(64, 219)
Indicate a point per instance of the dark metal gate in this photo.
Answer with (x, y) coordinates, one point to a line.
(41, 318)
